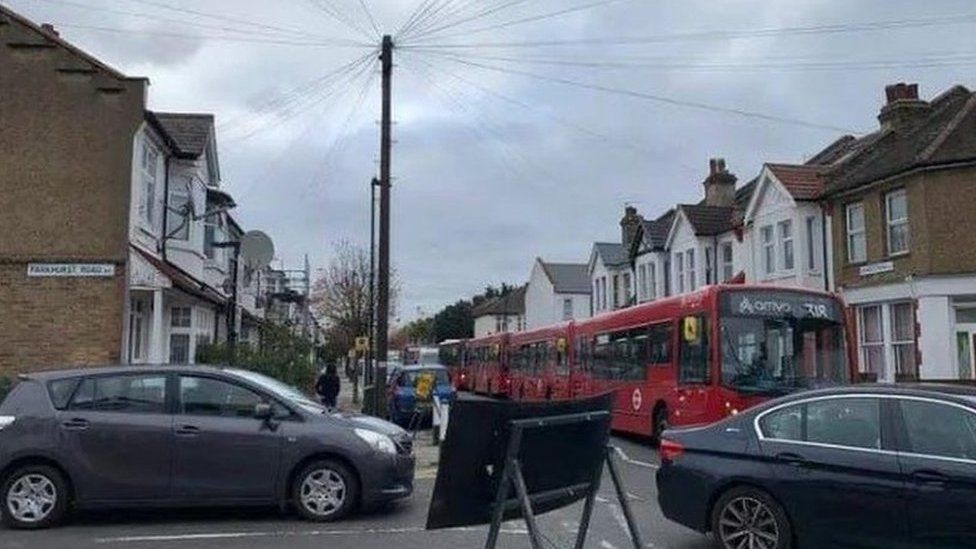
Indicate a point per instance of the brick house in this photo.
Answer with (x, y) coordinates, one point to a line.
(903, 228)
(67, 123)
(109, 238)
(500, 314)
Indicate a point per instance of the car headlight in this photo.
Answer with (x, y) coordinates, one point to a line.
(378, 441)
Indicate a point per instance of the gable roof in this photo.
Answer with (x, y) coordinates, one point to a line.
(48, 36)
(803, 182)
(709, 220)
(568, 278)
(656, 230)
(945, 133)
(188, 133)
(512, 303)
(612, 253)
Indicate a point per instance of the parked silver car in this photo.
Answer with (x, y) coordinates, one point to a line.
(174, 436)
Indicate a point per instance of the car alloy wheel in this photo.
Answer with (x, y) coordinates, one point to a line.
(323, 492)
(31, 498)
(34, 496)
(748, 522)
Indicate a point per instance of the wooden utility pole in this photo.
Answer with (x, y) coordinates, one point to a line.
(383, 283)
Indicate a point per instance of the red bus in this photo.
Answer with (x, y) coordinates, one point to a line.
(701, 356)
(487, 362)
(450, 353)
(540, 363)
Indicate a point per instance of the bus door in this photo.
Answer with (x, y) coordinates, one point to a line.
(690, 403)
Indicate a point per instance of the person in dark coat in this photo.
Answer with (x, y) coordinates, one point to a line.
(327, 386)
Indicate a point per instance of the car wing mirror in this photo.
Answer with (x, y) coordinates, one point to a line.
(263, 411)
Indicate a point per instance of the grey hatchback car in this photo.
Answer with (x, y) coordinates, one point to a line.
(174, 436)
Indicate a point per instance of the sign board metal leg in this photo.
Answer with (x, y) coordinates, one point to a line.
(624, 501)
(584, 524)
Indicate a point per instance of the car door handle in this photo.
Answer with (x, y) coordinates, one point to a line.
(794, 460)
(930, 478)
(76, 423)
(188, 430)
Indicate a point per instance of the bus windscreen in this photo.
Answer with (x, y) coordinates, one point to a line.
(779, 342)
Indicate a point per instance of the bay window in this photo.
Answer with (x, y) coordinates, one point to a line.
(690, 258)
(768, 249)
(727, 268)
(786, 245)
(679, 275)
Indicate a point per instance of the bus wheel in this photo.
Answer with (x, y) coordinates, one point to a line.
(660, 424)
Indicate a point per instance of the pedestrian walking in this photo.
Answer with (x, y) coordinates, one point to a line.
(327, 386)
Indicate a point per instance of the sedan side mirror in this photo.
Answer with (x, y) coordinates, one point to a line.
(263, 411)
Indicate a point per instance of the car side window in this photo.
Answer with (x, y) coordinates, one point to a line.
(783, 424)
(145, 394)
(939, 429)
(853, 422)
(204, 396)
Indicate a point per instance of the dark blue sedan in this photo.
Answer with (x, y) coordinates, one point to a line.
(412, 390)
(860, 466)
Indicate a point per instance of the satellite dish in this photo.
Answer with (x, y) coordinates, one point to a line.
(257, 249)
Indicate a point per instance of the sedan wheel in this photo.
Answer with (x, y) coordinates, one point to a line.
(325, 491)
(747, 518)
(34, 497)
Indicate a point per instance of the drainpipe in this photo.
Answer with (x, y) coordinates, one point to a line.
(823, 248)
(162, 240)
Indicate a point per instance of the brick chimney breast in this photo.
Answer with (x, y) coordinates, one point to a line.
(629, 224)
(719, 185)
(903, 110)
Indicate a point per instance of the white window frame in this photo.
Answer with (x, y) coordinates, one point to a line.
(709, 266)
(787, 249)
(690, 269)
(149, 168)
(892, 223)
(895, 343)
(567, 308)
(176, 218)
(641, 282)
(679, 275)
(652, 280)
(768, 243)
(855, 232)
(728, 268)
(864, 345)
(812, 239)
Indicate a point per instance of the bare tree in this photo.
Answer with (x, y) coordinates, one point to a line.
(341, 295)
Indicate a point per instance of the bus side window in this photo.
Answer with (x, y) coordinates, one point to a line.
(693, 350)
(659, 336)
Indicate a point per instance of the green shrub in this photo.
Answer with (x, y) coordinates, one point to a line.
(6, 384)
(279, 354)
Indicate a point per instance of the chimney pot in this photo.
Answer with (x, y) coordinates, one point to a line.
(49, 29)
(901, 92)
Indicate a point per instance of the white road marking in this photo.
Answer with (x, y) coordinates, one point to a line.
(607, 545)
(627, 459)
(288, 533)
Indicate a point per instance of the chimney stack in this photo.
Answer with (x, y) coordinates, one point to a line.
(903, 109)
(49, 29)
(719, 185)
(629, 224)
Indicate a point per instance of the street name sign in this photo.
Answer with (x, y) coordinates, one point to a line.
(70, 269)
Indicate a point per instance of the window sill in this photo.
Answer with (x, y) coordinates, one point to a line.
(899, 255)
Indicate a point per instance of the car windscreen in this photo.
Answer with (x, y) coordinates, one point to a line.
(410, 377)
(281, 390)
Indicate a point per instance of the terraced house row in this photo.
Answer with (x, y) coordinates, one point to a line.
(114, 221)
(887, 219)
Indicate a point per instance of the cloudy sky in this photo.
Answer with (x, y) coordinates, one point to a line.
(502, 153)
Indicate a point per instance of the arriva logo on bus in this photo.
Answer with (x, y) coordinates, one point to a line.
(764, 307)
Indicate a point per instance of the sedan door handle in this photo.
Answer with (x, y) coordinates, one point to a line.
(76, 423)
(188, 430)
(931, 478)
(795, 460)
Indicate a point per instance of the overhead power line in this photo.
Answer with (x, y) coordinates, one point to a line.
(652, 97)
(321, 43)
(369, 15)
(221, 17)
(479, 15)
(719, 34)
(335, 13)
(522, 21)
